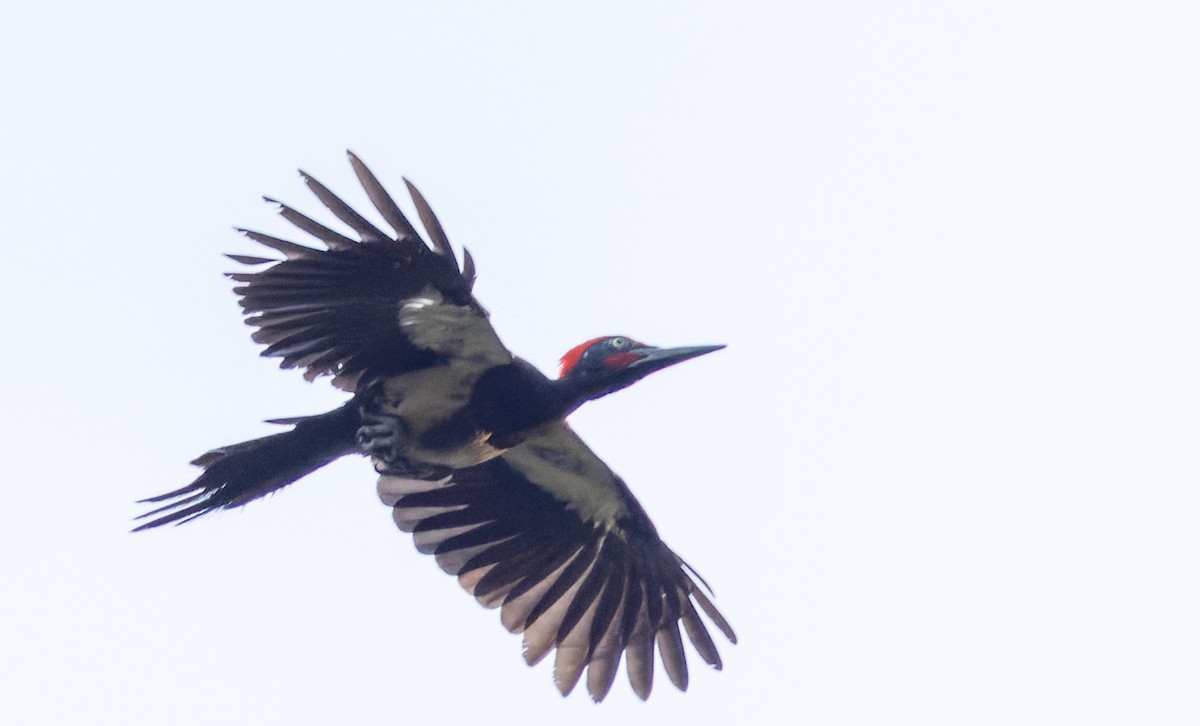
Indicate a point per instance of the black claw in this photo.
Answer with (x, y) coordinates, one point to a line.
(382, 437)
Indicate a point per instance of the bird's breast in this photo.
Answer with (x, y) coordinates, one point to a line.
(465, 412)
(432, 406)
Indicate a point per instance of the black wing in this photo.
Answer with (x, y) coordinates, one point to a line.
(335, 310)
(550, 535)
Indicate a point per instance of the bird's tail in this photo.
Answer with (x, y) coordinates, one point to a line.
(234, 475)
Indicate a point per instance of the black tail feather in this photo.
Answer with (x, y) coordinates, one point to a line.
(236, 474)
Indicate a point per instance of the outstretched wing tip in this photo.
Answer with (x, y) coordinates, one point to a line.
(591, 594)
(468, 268)
(333, 296)
(249, 260)
(437, 235)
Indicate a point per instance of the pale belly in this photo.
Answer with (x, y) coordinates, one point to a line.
(475, 451)
(427, 401)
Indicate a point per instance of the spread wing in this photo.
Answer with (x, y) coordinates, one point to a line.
(550, 535)
(363, 304)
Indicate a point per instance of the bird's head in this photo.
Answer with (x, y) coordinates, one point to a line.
(603, 365)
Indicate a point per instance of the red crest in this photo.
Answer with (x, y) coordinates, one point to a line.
(571, 358)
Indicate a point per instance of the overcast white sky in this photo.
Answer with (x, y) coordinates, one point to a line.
(945, 473)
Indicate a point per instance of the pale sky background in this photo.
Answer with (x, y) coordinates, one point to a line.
(946, 472)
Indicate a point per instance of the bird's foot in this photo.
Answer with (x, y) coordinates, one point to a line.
(382, 437)
(385, 438)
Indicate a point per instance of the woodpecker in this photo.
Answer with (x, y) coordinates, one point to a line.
(470, 442)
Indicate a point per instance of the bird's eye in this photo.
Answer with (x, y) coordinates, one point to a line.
(619, 343)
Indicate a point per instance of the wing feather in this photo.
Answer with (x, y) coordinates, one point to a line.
(569, 580)
(332, 239)
(670, 647)
(383, 201)
(639, 653)
(572, 653)
(517, 605)
(699, 636)
(547, 533)
(541, 626)
(608, 643)
(437, 235)
(479, 535)
(541, 575)
(290, 250)
(337, 311)
(366, 231)
(582, 606)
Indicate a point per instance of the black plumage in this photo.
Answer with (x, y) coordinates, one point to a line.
(471, 445)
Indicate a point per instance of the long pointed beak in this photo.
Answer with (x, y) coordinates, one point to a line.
(655, 359)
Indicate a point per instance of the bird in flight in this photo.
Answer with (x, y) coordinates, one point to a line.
(470, 442)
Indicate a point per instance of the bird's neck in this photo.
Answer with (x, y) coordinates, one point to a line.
(511, 400)
(573, 391)
(514, 398)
